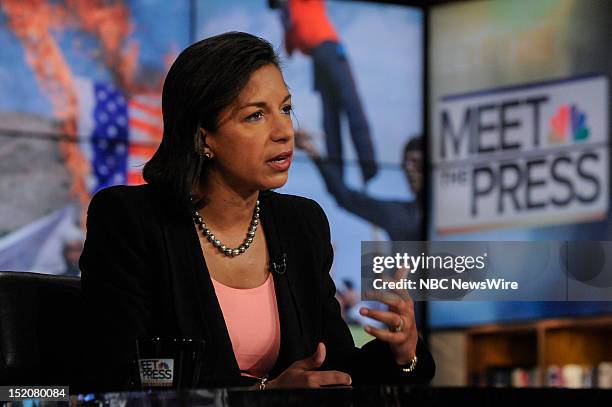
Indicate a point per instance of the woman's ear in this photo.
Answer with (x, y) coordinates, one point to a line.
(202, 145)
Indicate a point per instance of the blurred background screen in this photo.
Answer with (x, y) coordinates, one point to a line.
(503, 61)
(80, 110)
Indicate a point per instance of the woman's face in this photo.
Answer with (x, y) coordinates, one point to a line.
(253, 145)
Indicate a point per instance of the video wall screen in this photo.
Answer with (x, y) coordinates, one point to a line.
(80, 93)
(80, 89)
(520, 127)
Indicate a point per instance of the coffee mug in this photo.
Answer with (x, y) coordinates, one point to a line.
(168, 363)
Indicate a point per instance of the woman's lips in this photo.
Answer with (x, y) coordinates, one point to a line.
(281, 162)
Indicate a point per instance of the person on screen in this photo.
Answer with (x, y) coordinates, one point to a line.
(347, 297)
(207, 250)
(71, 252)
(72, 238)
(308, 29)
(402, 220)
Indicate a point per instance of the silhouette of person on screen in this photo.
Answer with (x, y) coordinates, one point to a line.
(309, 30)
(401, 220)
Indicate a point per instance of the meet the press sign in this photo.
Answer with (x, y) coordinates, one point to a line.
(534, 154)
(156, 372)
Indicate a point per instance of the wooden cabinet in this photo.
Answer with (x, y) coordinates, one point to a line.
(537, 345)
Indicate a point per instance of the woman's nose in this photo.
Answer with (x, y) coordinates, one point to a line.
(283, 129)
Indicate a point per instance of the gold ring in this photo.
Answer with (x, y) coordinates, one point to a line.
(399, 327)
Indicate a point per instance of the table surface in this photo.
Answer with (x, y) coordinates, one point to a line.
(348, 396)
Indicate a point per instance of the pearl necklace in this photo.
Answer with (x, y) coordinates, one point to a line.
(228, 251)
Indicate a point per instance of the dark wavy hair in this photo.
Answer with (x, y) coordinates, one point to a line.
(203, 81)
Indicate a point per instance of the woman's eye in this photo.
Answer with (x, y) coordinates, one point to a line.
(255, 116)
(287, 109)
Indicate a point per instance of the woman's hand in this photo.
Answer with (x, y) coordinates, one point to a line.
(302, 373)
(402, 334)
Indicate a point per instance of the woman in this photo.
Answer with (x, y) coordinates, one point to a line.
(205, 249)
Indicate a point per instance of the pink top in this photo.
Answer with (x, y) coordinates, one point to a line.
(251, 317)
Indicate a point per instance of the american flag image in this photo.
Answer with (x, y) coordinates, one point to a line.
(117, 135)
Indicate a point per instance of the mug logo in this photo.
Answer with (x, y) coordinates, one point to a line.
(156, 372)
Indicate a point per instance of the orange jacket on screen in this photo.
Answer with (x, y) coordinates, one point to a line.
(310, 26)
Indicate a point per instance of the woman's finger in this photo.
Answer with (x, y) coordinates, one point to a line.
(385, 335)
(401, 273)
(328, 378)
(392, 319)
(386, 297)
(394, 302)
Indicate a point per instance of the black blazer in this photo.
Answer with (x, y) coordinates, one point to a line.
(144, 275)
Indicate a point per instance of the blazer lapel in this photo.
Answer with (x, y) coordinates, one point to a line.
(293, 345)
(197, 307)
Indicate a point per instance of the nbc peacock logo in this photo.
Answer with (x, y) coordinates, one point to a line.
(568, 124)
